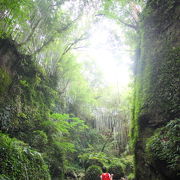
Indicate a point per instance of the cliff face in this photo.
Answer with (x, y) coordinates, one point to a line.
(157, 90)
(18, 115)
(27, 96)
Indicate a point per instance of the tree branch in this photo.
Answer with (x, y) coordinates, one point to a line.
(135, 27)
(31, 34)
(43, 46)
(129, 25)
(71, 46)
(65, 87)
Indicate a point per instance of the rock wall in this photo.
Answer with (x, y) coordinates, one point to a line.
(157, 90)
(27, 97)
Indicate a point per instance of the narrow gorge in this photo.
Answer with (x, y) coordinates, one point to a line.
(87, 85)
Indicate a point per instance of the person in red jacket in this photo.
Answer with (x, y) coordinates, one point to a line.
(105, 175)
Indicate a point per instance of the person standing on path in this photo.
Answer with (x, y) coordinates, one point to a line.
(105, 175)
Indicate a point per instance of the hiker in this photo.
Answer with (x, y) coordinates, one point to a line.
(105, 175)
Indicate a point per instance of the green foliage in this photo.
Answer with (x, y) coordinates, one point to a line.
(26, 20)
(13, 12)
(131, 176)
(125, 162)
(18, 161)
(3, 177)
(61, 130)
(89, 159)
(65, 121)
(117, 171)
(156, 96)
(56, 86)
(25, 115)
(94, 161)
(73, 170)
(128, 164)
(152, 92)
(93, 173)
(164, 145)
(126, 14)
(54, 156)
(23, 83)
(5, 116)
(38, 140)
(60, 127)
(5, 80)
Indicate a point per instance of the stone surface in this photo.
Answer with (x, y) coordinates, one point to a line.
(157, 88)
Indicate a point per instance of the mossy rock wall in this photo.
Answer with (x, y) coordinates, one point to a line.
(93, 173)
(157, 90)
(18, 161)
(163, 149)
(28, 95)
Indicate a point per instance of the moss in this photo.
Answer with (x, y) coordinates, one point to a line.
(3, 177)
(116, 170)
(156, 80)
(91, 162)
(30, 99)
(18, 161)
(38, 140)
(156, 93)
(167, 91)
(164, 146)
(126, 162)
(157, 90)
(36, 86)
(128, 165)
(5, 81)
(93, 173)
(131, 176)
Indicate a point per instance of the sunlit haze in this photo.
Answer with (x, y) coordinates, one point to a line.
(110, 55)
